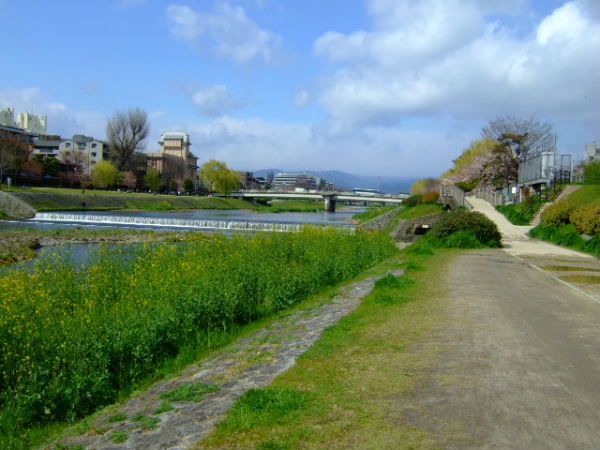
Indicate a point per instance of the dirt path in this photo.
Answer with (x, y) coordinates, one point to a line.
(521, 364)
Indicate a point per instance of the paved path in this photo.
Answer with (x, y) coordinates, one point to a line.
(559, 262)
(252, 362)
(520, 364)
(521, 354)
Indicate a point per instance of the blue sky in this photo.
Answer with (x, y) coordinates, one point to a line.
(374, 87)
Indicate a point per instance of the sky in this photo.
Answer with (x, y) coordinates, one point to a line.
(370, 87)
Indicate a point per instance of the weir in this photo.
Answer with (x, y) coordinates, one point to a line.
(234, 225)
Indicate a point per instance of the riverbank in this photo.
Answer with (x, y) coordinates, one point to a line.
(61, 199)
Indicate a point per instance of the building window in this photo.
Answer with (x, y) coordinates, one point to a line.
(94, 154)
(94, 145)
(67, 144)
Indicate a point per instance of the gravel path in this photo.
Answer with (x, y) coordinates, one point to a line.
(252, 362)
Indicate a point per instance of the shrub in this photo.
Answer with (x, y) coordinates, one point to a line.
(591, 173)
(557, 214)
(430, 197)
(586, 219)
(482, 228)
(461, 239)
(413, 200)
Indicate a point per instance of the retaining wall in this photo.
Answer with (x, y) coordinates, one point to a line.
(15, 207)
(407, 228)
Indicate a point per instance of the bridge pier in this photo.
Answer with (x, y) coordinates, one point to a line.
(329, 203)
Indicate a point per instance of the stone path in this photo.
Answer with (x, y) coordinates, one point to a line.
(252, 362)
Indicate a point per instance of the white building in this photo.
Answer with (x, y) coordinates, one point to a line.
(7, 117)
(93, 150)
(32, 122)
(592, 152)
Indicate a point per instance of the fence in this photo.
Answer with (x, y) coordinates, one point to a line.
(490, 195)
(452, 196)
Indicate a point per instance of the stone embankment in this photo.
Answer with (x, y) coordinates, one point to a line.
(15, 207)
(380, 222)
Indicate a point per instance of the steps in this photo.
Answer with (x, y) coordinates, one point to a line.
(568, 190)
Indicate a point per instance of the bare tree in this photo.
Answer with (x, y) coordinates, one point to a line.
(77, 161)
(126, 132)
(537, 136)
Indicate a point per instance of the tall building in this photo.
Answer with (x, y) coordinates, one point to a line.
(7, 117)
(32, 122)
(175, 161)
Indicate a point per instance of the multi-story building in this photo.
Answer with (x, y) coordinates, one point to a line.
(290, 181)
(7, 117)
(592, 152)
(92, 150)
(32, 122)
(175, 161)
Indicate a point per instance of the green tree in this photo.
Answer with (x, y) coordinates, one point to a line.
(13, 154)
(426, 185)
(188, 185)
(152, 179)
(105, 174)
(218, 177)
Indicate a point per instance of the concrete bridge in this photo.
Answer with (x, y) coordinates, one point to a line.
(330, 198)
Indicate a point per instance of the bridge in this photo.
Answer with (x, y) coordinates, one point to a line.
(330, 198)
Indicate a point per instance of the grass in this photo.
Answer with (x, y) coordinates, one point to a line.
(567, 236)
(19, 244)
(104, 328)
(360, 375)
(119, 436)
(117, 418)
(413, 212)
(372, 213)
(569, 269)
(582, 279)
(276, 206)
(164, 407)
(193, 392)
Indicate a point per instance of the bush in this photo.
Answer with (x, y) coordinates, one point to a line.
(430, 197)
(586, 219)
(557, 214)
(591, 173)
(461, 239)
(413, 200)
(482, 228)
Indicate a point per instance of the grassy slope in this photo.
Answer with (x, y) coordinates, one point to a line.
(63, 199)
(352, 389)
(372, 212)
(566, 235)
(412, 212)
(584, 196)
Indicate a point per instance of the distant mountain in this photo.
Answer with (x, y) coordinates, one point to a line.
(388, 185)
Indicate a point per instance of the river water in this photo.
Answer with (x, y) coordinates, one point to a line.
(206, 220)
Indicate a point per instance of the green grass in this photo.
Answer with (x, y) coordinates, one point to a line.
(3, 215)
(117, 418)
(372, 212)
(119, 436)
(583, 279)
(567, 236)
(588, 194)
(569, 269)
(75, 338)
(413, 212)
(164, 407)
(193, 392)
(360, 375)
(276, 206)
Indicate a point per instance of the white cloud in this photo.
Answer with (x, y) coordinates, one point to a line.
(435, 58)
(228, 29)
(213, 101)
(61, 120)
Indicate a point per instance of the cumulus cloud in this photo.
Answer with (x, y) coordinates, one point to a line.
(61, 120)
(212, 101)
(435, 57)
(228, 29)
